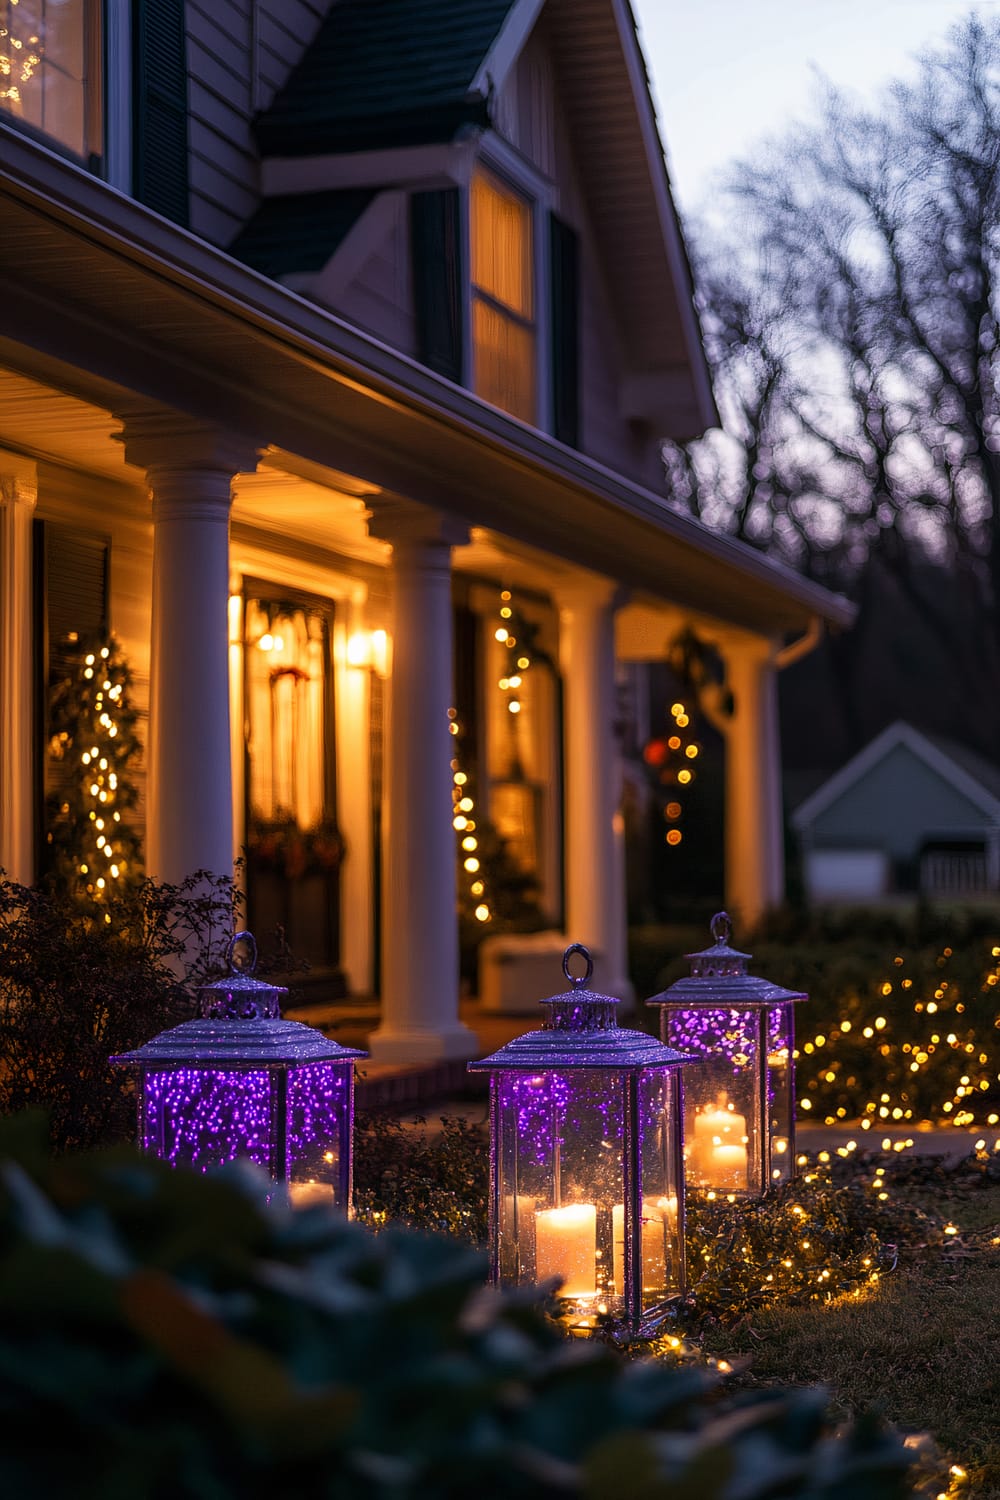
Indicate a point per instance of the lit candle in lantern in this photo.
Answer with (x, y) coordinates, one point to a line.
(729, 1166)
(566, 1246)
(311, 1194)
(659, 1219)
(719, 1148)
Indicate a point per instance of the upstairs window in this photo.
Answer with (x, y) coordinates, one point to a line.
(504, 335)
(50, 70)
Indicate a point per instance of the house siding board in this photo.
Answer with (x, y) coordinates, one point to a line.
(232, 71)
(379, 298)
(384, 72)
(895, 807)
(530, 114)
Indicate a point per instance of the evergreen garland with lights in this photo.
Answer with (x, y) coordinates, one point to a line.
(92, 727)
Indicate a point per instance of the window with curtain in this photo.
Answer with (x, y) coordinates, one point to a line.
(50, 69)
(504, 335)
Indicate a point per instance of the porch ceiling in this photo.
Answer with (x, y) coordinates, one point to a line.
(108, 302)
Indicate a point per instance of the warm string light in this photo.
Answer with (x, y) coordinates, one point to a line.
(674, 758)
(511, 681)
(20, 56)
(463, 818)
(464, 823)
(948, 1051)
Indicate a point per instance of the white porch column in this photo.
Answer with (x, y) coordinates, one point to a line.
(18, 493)
(595, 884)
(190, 469)
(419, 920)
(755, 856)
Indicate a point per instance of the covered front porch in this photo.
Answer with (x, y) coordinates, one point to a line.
(252, 460)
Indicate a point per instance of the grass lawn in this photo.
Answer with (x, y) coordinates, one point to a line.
(923, 1346)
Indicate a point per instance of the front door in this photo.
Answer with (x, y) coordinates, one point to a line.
(293, 844)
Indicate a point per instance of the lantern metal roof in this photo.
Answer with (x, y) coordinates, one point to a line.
(719, 978)
(240, 1026)
(581, 1031)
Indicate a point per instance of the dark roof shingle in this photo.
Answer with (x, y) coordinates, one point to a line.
(384, 73)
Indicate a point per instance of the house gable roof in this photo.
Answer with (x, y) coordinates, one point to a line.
(395, 76)
(974, 778)
(383, 73)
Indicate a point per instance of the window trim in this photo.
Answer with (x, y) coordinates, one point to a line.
(116, 47)
(513, 171)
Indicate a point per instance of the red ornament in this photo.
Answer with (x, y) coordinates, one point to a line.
(655, 752)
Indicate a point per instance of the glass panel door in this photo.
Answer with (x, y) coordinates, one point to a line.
(293, 844)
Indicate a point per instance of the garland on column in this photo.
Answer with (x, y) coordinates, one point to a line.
(93, 850)
(671, 759)
(493, 890)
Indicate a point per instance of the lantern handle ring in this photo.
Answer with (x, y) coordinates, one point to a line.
(234, 967)
(585, 952)
(721, 927)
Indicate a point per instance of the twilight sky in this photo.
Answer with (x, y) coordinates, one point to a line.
(728, 72)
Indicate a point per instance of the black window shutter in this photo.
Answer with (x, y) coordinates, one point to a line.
(564, 259)
(438, 284)
(159, 107)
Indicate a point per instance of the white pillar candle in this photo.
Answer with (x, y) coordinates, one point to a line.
(566, 1246)
(718, 1152)
(724, 1124)
(659, 1219)
(311, 1194)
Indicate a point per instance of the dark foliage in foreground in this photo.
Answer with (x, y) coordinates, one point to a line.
(177, 1337)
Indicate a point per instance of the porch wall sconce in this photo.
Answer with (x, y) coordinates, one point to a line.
(241, 1083)
(586, 1174)
(369, 650)
(739, 1125)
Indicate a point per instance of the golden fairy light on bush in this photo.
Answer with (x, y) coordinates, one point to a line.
(929, 1051)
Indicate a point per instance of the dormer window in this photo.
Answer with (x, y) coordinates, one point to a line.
(496, 293)
(504, 343)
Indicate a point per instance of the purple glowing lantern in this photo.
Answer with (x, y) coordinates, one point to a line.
(241, 1083)
(586, 1174)
(739, 1123)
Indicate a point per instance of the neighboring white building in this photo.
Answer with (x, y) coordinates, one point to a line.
(323, 327)
(910, 814)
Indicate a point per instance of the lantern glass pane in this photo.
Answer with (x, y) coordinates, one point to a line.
(723, 1104)
(207, 1117)
(561, 1168)
(319, 1110)
(662, 1245)
(781, 1090)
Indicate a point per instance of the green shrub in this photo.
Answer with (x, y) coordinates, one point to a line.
(900, 1024)
(76, 989)
(426, 1179)
(165, 1334)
